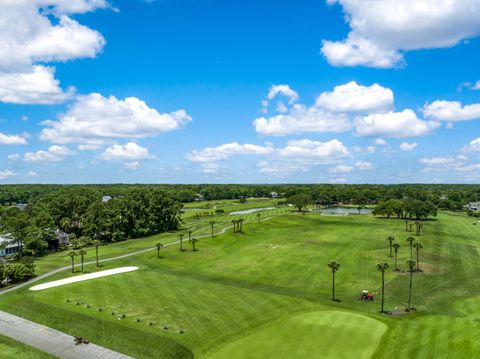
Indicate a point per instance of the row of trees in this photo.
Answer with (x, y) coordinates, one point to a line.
(83, 214)
(448, 196)
(412, 265)
(406, 208)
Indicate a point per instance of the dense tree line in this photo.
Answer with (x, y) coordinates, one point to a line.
(406, 208)
(446, 196)
(85, 216)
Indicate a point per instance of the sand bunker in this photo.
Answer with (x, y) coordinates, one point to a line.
(83, 277)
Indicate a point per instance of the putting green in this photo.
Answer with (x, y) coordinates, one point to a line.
(323, 334)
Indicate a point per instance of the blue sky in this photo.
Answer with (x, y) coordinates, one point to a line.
(338, 91)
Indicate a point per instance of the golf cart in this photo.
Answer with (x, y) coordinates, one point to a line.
(366, 297)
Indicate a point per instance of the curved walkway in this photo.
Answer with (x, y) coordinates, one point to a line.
(52, 341)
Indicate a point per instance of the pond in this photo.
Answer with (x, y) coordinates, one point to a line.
(345, 211)
(253, 210)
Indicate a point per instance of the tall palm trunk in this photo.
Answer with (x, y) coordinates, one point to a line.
(418, 263)
(411, 250)
(396, 255)
(383, 289)
(333, 286)
(96, 255)
(410, 290)
(73, 265)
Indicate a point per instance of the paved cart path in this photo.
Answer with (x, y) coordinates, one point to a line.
(51, 341)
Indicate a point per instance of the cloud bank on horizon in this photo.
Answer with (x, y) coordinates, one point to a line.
(355, 125)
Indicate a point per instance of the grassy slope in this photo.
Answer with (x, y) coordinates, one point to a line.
(11, 349)
(238, 283)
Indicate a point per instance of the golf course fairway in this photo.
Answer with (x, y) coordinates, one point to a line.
(322, 334)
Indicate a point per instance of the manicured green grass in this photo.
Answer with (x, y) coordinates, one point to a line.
(269, 289)
(198, 226)
(11, 349)
(356, 335)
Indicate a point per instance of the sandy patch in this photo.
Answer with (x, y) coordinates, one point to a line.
(83, 277)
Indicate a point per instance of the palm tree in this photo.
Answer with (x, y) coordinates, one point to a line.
(418, 246)
(212, 223)
(180, 236)
(411, 240)
(411, 266)
(396, 246)
(189, 236)
(382, 267)
(194, 240)
(234, 222)
(406, 225)
(390, 241)
(334, 266)
(82, 253)
(96, 243)
(159, 245)
(417, 228)
(258, 217)
(72, 255)
(240, 224)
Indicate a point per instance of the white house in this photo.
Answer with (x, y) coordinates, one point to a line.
(7, 247)
(63, 238)
(472, 206)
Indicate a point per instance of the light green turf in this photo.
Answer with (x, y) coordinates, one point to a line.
(198, 226)
(11, 349)
(322, 335)
(243, 283)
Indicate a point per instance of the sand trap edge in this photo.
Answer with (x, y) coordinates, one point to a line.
(83, 277)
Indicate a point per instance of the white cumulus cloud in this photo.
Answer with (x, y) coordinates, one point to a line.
(473, 146)
(12, 139)
(283, 90)
(94, 120)
(53, 154)
(352, 97)
(320, 152)
(382, 30)
(35, 32)
(302, 119)
(451, 111)
(128, 152)
(405, 146)
(330, 113)
(6, 174)
(35, 86)
(364, 166)
(393, 124)
(224, 151)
